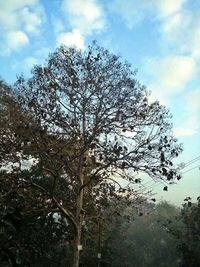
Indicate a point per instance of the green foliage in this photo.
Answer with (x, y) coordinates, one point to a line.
(143, 242)
(188, 233)
(30, 232)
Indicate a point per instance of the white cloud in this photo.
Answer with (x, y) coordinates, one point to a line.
(168, 7)
(193, 40)
(29, 62)
(86, 16)
(16, 39)
(19, 18)
(9, 12)
(173, 28)
(193, 100)
(83, 16)
(175, 71)
(169, 75)
(16, 14)
(178, 25)
(182, 31)
(191, 108)
(132, 12)
(57, 24)
(190, 126)
(42, 53)
(31, 20)
(73, 38)
(37, 58)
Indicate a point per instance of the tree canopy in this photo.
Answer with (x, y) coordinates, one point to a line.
(84, 128)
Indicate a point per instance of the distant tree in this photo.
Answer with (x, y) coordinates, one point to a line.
(144, 240)
(187, 233)
(88, 125)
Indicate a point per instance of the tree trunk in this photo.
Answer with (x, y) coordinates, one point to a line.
(77, 241)
(79, 205)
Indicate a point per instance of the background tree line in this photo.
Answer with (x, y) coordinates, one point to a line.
(159, 234)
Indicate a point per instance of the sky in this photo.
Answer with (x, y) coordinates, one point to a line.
(160, 38)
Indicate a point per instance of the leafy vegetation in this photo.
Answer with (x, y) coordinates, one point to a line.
(188, 234)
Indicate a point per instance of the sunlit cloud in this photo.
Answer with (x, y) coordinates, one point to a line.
(57, 24)
(191, 123)
(173, 28)
(178, 26)
(182, 31)
(18, 19)
(74, 38)
(193, 41)
(169, 75)
(38, 57)
(134, 11)
(31, 21)
(168, 7)
(29, 62)
(86, 16)
(82, 17)
(189, 127)
(192, 100)
(16, 39)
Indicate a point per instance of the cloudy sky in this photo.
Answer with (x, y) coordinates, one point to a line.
(160, 38)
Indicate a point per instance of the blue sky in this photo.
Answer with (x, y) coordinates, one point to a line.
(160, 38)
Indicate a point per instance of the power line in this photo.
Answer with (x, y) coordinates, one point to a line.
(192, 161)
(153, 185)
(192, 169)
(156, 183)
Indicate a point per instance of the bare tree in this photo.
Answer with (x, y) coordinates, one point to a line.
(89, 126)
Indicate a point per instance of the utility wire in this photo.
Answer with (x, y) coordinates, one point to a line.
(192, 161)
(192, 169)
(159, 182)
(156, 183)
(151, 186)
